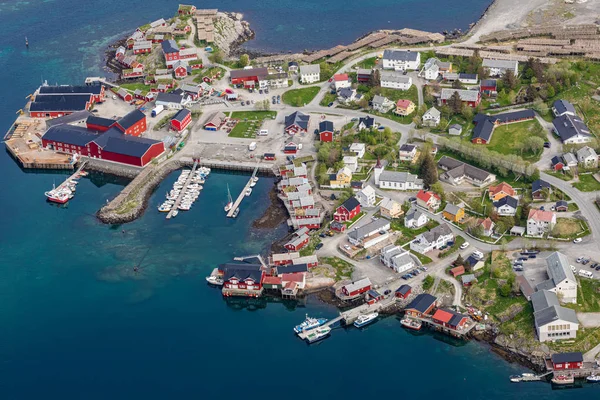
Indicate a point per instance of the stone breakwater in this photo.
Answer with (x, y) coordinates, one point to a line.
(131, 203)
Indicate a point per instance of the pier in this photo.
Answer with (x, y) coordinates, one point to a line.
(183, 190)
(72, 176)
(238, 201)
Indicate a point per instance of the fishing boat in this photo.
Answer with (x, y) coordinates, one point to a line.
(252, 184)
(229, 200)
(410, 323)
(309, 323)
(214, 280)
(365, 319)
(320, 333)
(58, 196)
(593, 378)
(563, 379)
(525, 376)
(248, 191)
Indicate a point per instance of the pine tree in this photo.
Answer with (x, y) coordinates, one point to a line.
(455, 103)
(427, 169)
(375, 79)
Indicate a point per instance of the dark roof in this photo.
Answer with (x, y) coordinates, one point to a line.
(467, 76)
(374, 293)
(169, 97)
(561, 203)
(511, 201)
(49, 102)
(69, 134)
(485, 124)
(488, 82)
(68, 89)
(512, 116)
(456, 318)
(241, 271)
(131, 119)
(483, 130)
(326, 126)
(181, 114)
(288, 269)
(169, 46)
(400, 55)
(269, 154)
(568, 126)
(292, 63)
(351, 203)
(403, 289)
(567, 357)
(556, 160)
(422, 302)
(94, 120)
(472, 261)
(407, 147)
(244, 73)
(69, 118)
(297, 118)
(538, 185)
(563, 106)
(368, 121)
(114, 141)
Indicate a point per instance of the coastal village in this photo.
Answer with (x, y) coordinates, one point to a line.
(451, 182)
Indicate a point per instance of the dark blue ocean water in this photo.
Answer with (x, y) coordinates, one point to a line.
(77, 323)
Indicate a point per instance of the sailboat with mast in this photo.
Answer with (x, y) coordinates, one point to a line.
(229, 200)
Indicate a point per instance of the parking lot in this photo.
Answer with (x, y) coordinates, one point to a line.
(535, 269)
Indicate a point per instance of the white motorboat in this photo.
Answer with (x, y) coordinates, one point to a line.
(184, 207)
(255, 179)
(174, 213)
(164, 208)
(214, 280)
(252, 184)
(365, 319)
(229, 200)
(593, 378)
(320, 333)
(248, 191)
(235, 213)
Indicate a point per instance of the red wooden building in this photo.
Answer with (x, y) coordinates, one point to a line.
(562, 361)
(269, 156)
(337, 226)
(133, 123)
(99, 124)
(457, 271)
(53, 106)
(348, 210)
(403, 291)
(98, 92)
(297, 122)
(449, 319)
(181, 69)
(355, 288)
(125, 95)
(242, 279)
(290, 148)
(421, 305)
(326, 131)
(248, 77)
(373, 296)
(181, 120)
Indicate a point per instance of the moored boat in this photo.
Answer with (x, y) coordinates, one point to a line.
(563, 379)
(214, 280)
(365, 319)
(410, 323)
(248, 191)
(309, 323)
(320, 333)
(515, 378)
(164, 208)
(235, 213)
(229, 200)
(593, 378)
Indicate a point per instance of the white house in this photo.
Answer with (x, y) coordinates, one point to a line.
(366, 196)
(587, 157)
(415, 218)
(468, 79)
(561, 279)
(432, 239)
(370, 234)
(506, 206)
(540, 222)
(348, 95)
(571, 129)
(395, 80)
(341, 81)
(396, 258)
(562, 107)
(430, 70)
(310, 73)
(358, 149)
(432, 117)
(351, 162)
(407, 152)
(382, 104)
(499, 67)
(552, 321)
(401, 60)
(397, 180)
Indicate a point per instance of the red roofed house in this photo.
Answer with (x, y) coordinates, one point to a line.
(348, 210)
(341, 81)
(272, 282)
(449, 319)
(487, 225)
(133, 123)
(181, 120)
(404, 107)
(540, 222)
(356, 288)
(428, 200)
(457, 271)
(291, 283)
(500, 191)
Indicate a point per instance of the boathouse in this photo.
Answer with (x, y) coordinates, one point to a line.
(421, 305)
(403, 291)
(242, 279)
(356, 288)
(373, 296)
(97, 91)
(449, 319)
(181, 120)
(563, 361)
(53, 106)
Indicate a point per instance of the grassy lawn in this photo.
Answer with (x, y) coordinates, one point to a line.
(423, 258)
(569, 228)
(212, 73)
(300, 97)
(328, 98)
(343, 269)
(588, 296)
(586, 339)
(250, 122)
(559, 175)
(353, 220)
(310, 247)
(587, 183)
(573, 207)
(368, 63)
(135, 86)
(507, 139)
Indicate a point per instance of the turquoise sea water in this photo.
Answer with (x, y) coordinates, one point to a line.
(77, 323)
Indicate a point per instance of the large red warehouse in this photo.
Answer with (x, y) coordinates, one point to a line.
(133, 123)
(181, 120)
(97, 91)
(53, 106)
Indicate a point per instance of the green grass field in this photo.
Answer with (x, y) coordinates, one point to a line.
(300, 97)
(250, 122)
(508, 138)
(587, 183)
(328, 98)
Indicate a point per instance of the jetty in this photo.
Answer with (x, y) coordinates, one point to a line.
(239, 199)
(183, 191)
(71, 177)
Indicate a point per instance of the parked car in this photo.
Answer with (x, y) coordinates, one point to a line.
(522, 259)
(477, 254)
(464, 245)
(318, 246)
(259, 91)
(405, 277)
(347, 247)
(330, 104)
(597, 268)
(387, 292)
(416, 272)
(532, 256)
(322, 235)
(577, 240)
(330, 233)
(579, 259)
(547, 145)
(424, 268)
(267, 90)
(243, 103)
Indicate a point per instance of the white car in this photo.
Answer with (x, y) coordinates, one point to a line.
(578, 240)
(464, 245)
(347, 247)
(477, 254)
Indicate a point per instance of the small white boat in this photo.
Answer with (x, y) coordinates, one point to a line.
(214, 280)
(252, 184)
(320, 333)
(248, 191)
(563, 380)
(164, 208)
(593, 378)
(229, 200)
(184, 207)
(174, 213)
(235, 213)
(365, 319)
(255, 179)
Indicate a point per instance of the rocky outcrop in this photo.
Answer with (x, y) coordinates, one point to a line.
(231, 31)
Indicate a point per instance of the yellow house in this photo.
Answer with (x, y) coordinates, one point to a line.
(404, 107)
(390, 208)
(342, 179)
(453, 213)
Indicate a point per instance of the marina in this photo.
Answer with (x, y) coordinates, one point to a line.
(246, 191)
(185, 191)
(64, 192)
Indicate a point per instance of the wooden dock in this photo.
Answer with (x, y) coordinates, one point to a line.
(239, 199)
(72, 176)
(183, 190)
